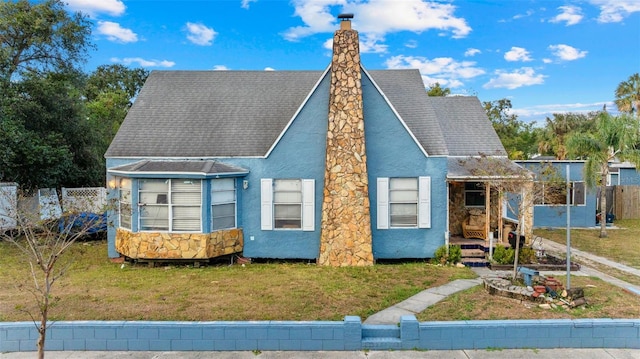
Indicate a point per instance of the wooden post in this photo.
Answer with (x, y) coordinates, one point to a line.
(487, 206)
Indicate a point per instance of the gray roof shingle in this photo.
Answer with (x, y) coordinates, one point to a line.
(204, 114)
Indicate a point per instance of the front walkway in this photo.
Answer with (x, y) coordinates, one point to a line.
(431, 296)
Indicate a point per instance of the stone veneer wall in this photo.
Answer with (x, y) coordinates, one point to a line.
(345, 238)
(163, 245)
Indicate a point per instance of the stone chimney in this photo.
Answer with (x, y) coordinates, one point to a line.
(345, 238)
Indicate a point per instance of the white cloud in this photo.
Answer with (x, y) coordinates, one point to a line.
(378, 17)
(615, 10)
(245, 3)
(471, 52)
(199, 34)
(443, 70)
(144, 63)
(368, 44)
(412, 44)
(570, 14)
(220, 68)
(94, 7)
(525, 76)
(547, 61)
(269, 69)
(114, 32)
(517, 54)
(566, 52)
(540, 112)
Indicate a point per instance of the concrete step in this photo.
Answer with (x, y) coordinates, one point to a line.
(381, 331)
(475, 262)
(473, 253)
(381, 343)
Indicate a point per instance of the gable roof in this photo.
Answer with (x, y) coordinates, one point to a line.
(465, 127)
(204, 114)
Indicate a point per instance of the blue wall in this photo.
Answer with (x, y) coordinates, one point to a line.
(556, 215)
(300, 153)
(629, 177)
(391, 152)
(349, 334)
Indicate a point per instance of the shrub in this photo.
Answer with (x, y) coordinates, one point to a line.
(502, 255)
(441, 257)
(527, 256)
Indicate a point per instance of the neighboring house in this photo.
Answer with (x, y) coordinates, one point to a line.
(550, 208)
(343, 166)
(623, 174)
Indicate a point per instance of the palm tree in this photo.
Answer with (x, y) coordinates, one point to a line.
(614, 138)
(628, 95)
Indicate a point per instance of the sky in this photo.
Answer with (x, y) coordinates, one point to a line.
(546, 56)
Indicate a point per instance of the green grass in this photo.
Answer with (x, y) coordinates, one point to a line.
(622, 244)
(96, 289)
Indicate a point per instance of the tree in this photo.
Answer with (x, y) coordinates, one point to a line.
(614, 138)
(44, 241)
(115, 79)
(46, 137)
(40, 37)
(552, 139)
(628, 95)
(436, 90)
(517, 137)
(110, 91)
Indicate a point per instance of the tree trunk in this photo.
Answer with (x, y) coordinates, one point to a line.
(603, 206)
(42, 329)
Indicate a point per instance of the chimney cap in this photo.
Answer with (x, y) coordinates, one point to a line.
(345, 17)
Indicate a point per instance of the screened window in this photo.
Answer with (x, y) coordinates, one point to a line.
(170, 205)
(124, 196)
(223, 203)
(403, 202)
(287, 203)
(474, 194)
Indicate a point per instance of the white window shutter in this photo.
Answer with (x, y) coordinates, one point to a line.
(424, 202)
(308, 205)
(383, 203)
(266, 204)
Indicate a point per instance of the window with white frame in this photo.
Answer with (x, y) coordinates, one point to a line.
(124, 203)
(170, 205)
(287, 204)
(404, 202)
(474, 194)
(550, 194)
(223, 203)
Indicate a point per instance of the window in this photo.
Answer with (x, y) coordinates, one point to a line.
(170, 205)
(223, 203)
(404, 202)
(124, 203)
(288, 204)
(556, 193)
(474, 194)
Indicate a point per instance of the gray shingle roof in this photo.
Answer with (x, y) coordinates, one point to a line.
(204, 114)
(203, 167)
(465, 126)
(407, 94)
(211, 113)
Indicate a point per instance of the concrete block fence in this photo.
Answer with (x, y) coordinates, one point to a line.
(349, 334)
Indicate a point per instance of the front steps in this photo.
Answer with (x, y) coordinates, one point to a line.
(474, 251)
(381, 337)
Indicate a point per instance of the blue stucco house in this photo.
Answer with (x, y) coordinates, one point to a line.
(343, 166)
(550, 208)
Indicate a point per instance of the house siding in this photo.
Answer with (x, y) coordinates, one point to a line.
(392, 152)
(629, 177)
(581, 216)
